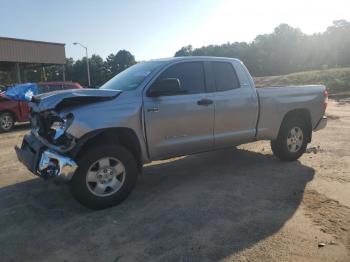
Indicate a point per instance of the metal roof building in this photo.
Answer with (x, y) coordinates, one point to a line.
(20, 54)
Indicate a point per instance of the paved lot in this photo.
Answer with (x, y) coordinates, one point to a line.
(236, 204)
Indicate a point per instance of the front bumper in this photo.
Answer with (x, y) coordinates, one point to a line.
(44, 162)
(321, 124)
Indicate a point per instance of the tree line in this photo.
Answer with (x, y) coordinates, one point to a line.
(286, 50)
(100, 70)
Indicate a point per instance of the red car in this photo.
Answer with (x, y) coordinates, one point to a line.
(17, 111)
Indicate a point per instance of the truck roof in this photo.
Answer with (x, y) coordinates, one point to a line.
(203, 58)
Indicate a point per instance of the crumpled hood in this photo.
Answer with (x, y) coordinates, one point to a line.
(72, 97)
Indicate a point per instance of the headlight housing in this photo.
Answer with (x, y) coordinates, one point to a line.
(59, 126)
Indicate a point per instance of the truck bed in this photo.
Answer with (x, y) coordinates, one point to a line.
(275, 102)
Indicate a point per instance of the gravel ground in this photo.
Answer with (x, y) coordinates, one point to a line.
(233, 205)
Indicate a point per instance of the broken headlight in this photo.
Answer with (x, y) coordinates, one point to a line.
(59, 126)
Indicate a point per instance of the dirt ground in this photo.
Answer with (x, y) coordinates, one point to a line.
(233, 205)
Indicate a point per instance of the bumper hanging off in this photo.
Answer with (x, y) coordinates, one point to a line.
(44, 162)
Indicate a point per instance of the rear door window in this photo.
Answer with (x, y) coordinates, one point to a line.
(225, 76)
(43, 89)
(65, 87)
(190, 74)
(55, 87)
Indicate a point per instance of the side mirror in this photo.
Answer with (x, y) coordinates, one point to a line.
(166, 87)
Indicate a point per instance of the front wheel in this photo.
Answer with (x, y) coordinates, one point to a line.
(105, 176)
(292, 140)
(7, 122)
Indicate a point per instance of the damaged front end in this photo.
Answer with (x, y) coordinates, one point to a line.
(50, 128)
(46, 150)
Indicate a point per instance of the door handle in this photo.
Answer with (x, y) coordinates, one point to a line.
(153, 109)
(205, 102)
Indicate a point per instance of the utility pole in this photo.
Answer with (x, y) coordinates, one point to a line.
(87, 61)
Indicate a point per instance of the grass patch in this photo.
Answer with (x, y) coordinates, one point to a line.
(336, 80)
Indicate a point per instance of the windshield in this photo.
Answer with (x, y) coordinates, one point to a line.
(132, 77)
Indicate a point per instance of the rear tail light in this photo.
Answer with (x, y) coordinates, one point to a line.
(325, 95)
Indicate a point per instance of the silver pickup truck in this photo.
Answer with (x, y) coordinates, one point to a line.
(99, 139)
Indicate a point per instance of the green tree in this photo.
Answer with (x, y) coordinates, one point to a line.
(98, 71)
(185, 51)
(337, 38)
(119, 62)
(69, 68)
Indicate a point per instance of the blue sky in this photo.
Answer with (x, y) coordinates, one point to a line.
(155, 28)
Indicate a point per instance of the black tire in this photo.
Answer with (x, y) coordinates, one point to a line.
(280, 146)
(7, 122)
(80, 186)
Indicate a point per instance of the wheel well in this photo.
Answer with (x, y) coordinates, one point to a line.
(305, 115)
(118, 136)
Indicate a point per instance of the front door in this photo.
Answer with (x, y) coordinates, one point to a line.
(180, 124)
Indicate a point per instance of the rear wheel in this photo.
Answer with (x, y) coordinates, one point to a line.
(292, 139)
(105, 177)
(7, 121)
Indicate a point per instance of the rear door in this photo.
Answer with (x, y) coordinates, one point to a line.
(180, 124)
(24, 109)
(236, 106)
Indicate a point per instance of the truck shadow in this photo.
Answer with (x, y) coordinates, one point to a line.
(202, 207)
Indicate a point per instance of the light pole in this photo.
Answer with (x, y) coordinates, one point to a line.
(87, 61)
